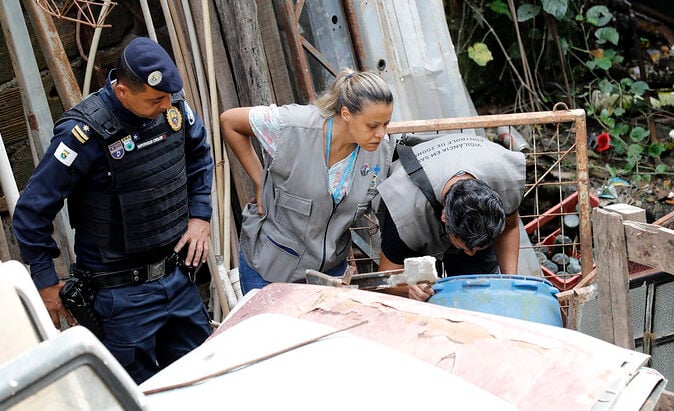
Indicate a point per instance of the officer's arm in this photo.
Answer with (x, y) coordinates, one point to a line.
(199, 167)
(53, 180)
(507, 245)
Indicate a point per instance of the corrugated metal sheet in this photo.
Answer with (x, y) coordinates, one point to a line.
(408, 42)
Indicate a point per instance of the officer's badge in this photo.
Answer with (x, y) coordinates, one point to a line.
(364, 170)
(154, 78)
(80, 133)
(116, 150)
(174, 118)
(128, 143)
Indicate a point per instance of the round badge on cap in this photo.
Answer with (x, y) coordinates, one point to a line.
(154, 78)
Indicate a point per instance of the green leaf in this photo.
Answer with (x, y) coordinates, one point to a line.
(605, 34)
(598, 16)
(590, 64)
(639, 88)
(626, 82)
(480, 54)
(634, 151)
(603, 63)
(655, 149)
(605, 86)
(555, 7)
(661, 168)
(638, 134)
(499, 7)
(618, 111)
(622, 129)
(527, 12)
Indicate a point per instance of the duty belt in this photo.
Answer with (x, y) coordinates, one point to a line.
(139, 275)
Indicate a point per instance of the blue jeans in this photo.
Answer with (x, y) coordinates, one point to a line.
(148, 326)
(250, 279)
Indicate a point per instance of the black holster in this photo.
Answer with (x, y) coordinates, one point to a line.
(78, 297)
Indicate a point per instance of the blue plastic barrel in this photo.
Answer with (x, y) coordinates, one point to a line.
(515, 296)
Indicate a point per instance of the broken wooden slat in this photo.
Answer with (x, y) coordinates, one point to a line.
(612, 278)
(650, 245)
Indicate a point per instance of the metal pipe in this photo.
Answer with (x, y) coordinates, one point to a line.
(493, 120)
(7, 181)
(148, 20)
(290, 17)
(93, 48)
(55, 55)
(354, 31)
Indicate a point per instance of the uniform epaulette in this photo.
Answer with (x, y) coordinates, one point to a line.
(81, 132)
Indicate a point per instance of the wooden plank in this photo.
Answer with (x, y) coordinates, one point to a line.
(628, 212)
(666, 402)
(4, 246)
(227, 95)
(273, 51)
(650, 245)
(612, 278)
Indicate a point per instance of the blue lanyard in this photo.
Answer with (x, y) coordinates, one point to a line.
(349, 165)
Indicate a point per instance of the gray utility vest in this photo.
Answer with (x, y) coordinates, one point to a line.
(302, 228)
(441, 158)
(146, 205)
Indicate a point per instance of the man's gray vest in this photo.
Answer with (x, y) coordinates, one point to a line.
(302, 228)
(146, 205)
(441, 158)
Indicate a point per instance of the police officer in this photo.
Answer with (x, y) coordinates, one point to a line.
(133, 161)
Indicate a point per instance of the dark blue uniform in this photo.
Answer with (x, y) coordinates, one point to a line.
(149, 325)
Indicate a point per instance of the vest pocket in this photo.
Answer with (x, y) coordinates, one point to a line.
(292, 213)
(283, 257)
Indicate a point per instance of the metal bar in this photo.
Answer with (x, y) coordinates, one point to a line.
(493, 120)
(354, 32)
(583, 176)
(35, 106)
(55, 55)
(318, 56)
(298, 59)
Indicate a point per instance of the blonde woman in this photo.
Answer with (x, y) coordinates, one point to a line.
(322, 165)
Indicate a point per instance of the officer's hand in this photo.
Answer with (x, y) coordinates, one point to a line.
(420, 292)
(51, 299)
(196, 236)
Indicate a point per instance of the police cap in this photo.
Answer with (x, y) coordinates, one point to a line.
(148, 61)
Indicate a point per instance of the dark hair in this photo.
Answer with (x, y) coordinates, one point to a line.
(351, 89)
(474, 213)
(126, 77)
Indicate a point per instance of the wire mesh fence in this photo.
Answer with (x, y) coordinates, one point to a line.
(556, 206)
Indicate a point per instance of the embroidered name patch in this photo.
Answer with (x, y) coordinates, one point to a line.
(65, 154)
(148, 143)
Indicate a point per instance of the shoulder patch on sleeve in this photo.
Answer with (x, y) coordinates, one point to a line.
(81, 132)
(65, 154)
(190, 114)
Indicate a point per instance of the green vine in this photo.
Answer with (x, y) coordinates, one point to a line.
(620, 106)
